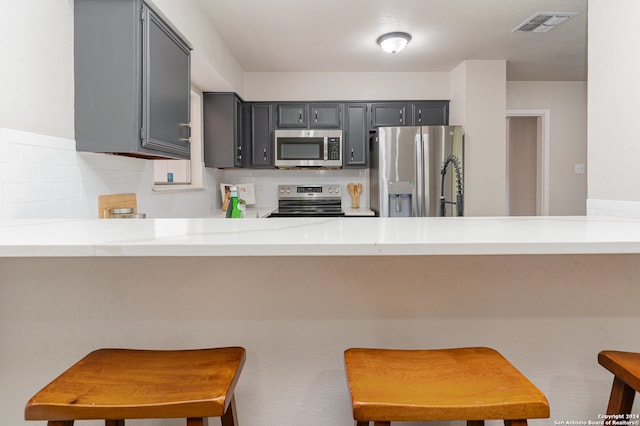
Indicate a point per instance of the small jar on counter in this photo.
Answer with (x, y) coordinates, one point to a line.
(122, 213)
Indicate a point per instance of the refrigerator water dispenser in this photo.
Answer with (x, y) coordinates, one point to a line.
(400, 199)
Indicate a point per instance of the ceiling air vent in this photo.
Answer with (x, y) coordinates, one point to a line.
(542, 22)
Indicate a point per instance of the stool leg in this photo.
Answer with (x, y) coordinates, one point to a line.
(381, 423)
(230, 418)
(114, 423)
(475, 422)
(621, 399)
(197, 421)
(362, 423)
(521, 422)
(60, 423)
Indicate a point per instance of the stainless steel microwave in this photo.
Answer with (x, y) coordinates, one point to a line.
(308, 148)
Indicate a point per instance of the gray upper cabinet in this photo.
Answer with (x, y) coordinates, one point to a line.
(320, 115)
(260, 134)
(240, 134)
(223, 130)
(356, 136)
(389, 114)
(416, 113)
(430, 113)
(292, 116)
(132, 81)
(325, 116)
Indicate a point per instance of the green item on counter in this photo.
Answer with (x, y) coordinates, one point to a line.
(233, 210)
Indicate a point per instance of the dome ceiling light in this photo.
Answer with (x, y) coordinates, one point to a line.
(394, 42)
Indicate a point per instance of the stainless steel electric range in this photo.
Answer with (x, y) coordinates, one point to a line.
(309, 201)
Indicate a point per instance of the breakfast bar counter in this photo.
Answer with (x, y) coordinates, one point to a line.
(320, 236)
(548, 293)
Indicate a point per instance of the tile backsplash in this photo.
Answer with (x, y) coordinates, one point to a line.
(44, 177)
(266, 181)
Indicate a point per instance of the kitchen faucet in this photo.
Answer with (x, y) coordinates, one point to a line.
(459, 199)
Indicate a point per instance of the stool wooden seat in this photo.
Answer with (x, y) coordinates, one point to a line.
(625, 367)
(118, 384)
(472, 384)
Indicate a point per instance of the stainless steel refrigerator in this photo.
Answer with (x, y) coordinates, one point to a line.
(417, 171)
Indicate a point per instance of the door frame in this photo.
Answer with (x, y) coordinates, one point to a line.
(542, 194)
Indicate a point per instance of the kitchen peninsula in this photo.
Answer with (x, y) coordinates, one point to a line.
(548, 292)
(319, 236)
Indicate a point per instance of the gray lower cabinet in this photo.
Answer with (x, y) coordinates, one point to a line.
(223, 130)
(259, 118)
(355, 136)
(132, 81)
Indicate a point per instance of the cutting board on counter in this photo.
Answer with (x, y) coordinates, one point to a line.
(115, 201)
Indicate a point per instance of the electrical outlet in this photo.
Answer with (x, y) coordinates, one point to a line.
(579, 168)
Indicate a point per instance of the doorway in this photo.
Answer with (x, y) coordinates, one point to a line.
(527, 163)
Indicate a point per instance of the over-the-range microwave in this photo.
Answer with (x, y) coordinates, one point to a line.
(308, 148)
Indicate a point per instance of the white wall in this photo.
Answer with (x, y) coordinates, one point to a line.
(36, 75)
(614, 108)
(353, 86)
(480, 89)
(567, 105)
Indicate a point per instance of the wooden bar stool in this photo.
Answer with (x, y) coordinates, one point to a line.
(625, 367)
(472, 384)
(119, 384)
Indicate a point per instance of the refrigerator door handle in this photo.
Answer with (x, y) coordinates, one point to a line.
(427, 153)
(419, 178)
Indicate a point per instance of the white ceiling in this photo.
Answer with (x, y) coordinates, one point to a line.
(339, 35)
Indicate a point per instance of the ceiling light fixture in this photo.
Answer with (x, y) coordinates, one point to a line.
(394, 42)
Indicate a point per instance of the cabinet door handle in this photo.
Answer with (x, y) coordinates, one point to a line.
(188, 127)
(300, 115)
(316, 116)
(419, 116)
(239, 154)
(351, 154)
(264, 154)
(401, 116)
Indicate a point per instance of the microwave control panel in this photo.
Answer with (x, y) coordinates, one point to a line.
(333, 148)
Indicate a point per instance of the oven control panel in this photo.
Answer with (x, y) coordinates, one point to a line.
(309, 191)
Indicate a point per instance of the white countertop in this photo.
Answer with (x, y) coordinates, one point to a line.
(318, 236)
